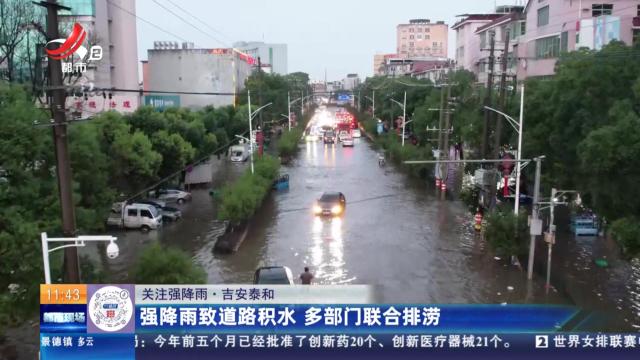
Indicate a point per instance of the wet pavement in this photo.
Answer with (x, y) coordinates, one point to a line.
(397, 233)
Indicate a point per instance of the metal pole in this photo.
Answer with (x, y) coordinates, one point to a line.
(517, 199)
(534, 216)
(487, 100)
(373, 112)
(404, 116)
(551, 232)
(63, 163)
(289, 110)
(45, 258)
(250, 130)
(447, 122)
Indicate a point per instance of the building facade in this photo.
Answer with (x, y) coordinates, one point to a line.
(468, 51)
(274, 55)
(506, 32)
(553, 27)
(171, 67)
(112, 25)
(378, 62)
(350, 82)
(421, 37)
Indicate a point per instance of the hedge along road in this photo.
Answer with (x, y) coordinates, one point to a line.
(397, 233)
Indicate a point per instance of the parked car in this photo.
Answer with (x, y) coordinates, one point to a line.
(584, 226)
(348, 141)
(273, 275)
(168, 213)
(330, 204)
(174, 195)
(356, 133)
(135, 216)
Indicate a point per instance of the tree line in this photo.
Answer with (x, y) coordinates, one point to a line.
(584, 119)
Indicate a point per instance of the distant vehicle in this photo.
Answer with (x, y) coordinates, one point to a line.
(239, 153)
(135, 216)
(330, 204)
(584, 225)
(356, 133)
(168, 213)
(348, 141)
(343, 135)
(273, 275)
(173, 195)
(329, 137)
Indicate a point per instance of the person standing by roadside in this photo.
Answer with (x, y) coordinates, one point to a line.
(306, 276)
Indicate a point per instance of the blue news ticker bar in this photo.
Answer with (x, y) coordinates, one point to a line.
(452, 319)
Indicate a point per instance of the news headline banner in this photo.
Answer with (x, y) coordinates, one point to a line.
(254, 294)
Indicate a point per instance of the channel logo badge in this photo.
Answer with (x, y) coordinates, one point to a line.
(73, 45)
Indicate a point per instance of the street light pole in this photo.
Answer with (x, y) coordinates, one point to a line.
(404, 116)
(289, 109)
(250, 130)
(519, 156)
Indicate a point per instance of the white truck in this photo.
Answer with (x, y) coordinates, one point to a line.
(135, 216)
(239, 153)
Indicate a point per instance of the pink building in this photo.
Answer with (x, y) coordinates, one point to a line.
(422, 38)
(556, 26)
(467, 41)
(506, 31)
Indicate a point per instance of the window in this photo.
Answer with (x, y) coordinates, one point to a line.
(543, 16)
(523, 28)
(548, 47)
(638, 13)
(420, 36)
(411, 44)
(146, 213)
(483, 40)
(427, 29)
(132, 212)
(601, 9)
(564, 41)
(411, 37)
(636, 37)
(426, 37)
(435, 44)
(419, 29)
(410, 30)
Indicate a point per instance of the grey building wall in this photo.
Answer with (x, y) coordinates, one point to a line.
(273, 54)
(197, 70)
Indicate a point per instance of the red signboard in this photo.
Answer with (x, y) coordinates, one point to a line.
(221, 51)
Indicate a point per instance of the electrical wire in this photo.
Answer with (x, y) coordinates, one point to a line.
(148, 22)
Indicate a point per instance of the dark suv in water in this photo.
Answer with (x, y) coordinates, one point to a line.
(329, 137)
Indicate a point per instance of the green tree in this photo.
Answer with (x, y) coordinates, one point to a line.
(160, 265)
(175, 151)
(626, 231)
(134, 162)
(506, 232)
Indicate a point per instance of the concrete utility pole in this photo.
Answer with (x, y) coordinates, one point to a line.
(441, 119)
(63, 164)
(536, 227)
(487, 99)
(447, 123)
(503, 97)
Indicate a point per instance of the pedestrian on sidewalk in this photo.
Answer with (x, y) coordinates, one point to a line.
(306, 276)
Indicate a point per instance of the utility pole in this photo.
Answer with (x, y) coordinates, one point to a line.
(487, 99)
(63, 164)
(503, 97)
(260, 87)
(447, 123)
(441, 119)
(289, 110)
(534, 217)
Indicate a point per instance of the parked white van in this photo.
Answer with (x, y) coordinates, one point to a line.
(135, 216)
(239, 153)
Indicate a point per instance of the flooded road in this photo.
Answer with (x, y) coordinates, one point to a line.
(397, 233)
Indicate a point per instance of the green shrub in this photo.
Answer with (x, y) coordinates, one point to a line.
(626, 232)
(288, 142)
(241, 199)
(507, 233)
(160, 265)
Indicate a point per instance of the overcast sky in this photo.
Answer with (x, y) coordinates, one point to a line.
(340, 36)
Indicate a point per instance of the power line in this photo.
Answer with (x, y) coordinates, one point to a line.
(198, 19)
(188, 23)
(148, 22)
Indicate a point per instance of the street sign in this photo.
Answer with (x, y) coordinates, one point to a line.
(536, 227)
(344, 97)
